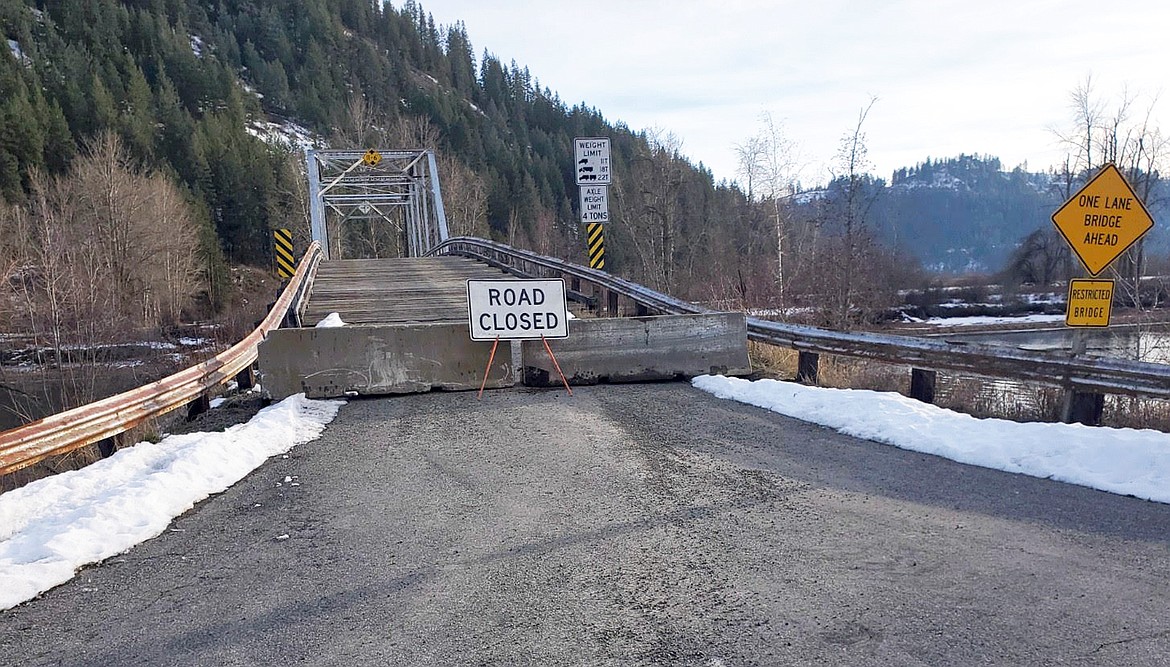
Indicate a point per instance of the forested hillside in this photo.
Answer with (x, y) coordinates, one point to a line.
(987, 210)
(180, 81)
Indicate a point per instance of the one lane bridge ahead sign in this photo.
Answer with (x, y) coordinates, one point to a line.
(517, 309)
(1103, 219)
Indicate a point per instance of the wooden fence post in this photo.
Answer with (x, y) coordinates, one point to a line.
(107, 447)
(198, 405)
(806, 367)
(246, 378)
(1083, 407)
(922, 384)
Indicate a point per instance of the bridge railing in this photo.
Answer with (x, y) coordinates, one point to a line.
(1087, 379)
(102, 420)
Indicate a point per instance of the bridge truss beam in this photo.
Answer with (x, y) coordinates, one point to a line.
(402, 187)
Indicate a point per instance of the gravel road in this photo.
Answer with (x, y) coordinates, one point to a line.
(625, 525)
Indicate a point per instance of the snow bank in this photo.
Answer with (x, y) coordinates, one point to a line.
(1124, 461)
(987, 320)
(53, 526)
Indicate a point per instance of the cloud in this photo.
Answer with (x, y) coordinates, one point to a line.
(987, 77)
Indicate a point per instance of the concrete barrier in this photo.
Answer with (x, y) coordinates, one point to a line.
(378, 359)
(641, 349)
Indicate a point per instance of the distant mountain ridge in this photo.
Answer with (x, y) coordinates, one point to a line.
(967, 214)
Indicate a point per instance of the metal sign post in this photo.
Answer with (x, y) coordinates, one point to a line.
(593, 178)
(1100, 222)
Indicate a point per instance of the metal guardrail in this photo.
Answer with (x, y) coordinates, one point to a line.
(1105, 376)
(526, 263)
(1086, 374)
(66, 431)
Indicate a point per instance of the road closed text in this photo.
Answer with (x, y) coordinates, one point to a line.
(509, 322)
(517, 309)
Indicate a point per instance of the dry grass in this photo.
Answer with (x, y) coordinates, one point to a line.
(1131, 412)
(1002, 399)
(771, 361)
(847, 373)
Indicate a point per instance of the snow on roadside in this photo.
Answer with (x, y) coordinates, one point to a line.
(53, 526)
(986, 320)
(1119, 460)
(331, 321)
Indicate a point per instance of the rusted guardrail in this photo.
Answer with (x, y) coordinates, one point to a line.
(1087, 379)
(93, 423)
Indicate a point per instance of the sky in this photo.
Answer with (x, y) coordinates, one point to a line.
(991, 77)
(52, 527)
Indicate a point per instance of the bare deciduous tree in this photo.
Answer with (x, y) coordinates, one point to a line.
(464, 199)
(852, 243)
(650, 206)
(101, 251)
(138, 230)
(1041, 259)
(768, 161)
(1121, 133)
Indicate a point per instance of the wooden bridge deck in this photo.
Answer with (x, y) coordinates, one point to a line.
(395, 291)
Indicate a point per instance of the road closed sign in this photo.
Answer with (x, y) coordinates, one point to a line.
(517, 309)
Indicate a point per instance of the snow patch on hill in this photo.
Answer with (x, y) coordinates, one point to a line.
(14, 47)
(283, 133)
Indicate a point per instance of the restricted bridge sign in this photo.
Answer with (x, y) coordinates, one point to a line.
(517, 309)
(1090, 303)
(1103, 219)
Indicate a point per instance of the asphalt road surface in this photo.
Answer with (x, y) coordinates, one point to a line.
(626, 525)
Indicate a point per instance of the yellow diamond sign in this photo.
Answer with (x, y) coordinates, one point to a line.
(372, 158)
(1103, 219)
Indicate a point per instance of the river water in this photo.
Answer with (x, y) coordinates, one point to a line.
(1121, 342)
(1030, 401)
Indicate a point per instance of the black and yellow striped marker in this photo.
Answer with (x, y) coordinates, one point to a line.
(596, 239)
(285, 264)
